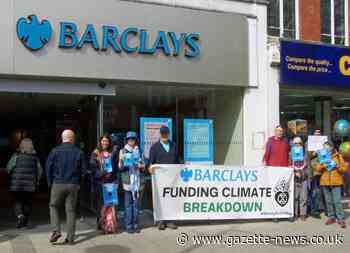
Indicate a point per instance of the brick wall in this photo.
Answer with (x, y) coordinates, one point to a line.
(310, 20)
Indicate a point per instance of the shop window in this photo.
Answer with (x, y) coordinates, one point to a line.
(333, 21)
(282, 18)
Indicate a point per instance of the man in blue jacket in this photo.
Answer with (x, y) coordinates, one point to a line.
(65, 167)
(164, 152)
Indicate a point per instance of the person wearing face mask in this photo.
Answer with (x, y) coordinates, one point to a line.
(131, 165)
(331, 167)
(298, 161)
(101, 173)
(277, 150)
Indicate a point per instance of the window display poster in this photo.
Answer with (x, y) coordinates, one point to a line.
(149, 132)
(198, 141)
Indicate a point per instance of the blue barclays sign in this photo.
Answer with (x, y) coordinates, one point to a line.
(313, 64)
(34, 34)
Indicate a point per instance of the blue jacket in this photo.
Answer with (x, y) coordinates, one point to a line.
(65, 165)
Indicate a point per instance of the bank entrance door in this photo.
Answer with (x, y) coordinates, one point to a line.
(42, 117)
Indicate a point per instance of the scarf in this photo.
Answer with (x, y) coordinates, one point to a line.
(134, 173)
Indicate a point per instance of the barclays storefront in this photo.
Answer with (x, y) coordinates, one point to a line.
(101, 68)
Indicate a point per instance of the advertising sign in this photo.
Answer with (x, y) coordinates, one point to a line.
(199, 192)
(149, 132)
(198, 141)
(314, 64)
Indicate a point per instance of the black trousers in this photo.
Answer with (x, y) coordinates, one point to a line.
(23, 203)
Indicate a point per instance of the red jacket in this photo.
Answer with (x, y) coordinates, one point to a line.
(276, 152)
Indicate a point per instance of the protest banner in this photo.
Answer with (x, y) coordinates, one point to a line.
(209, 192)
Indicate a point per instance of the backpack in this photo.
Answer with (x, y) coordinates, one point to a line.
(108, 220)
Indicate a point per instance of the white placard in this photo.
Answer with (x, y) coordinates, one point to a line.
(315, 142)
(200, 192)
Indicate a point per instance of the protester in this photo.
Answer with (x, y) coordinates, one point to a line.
(164, 152)
(299, 164)
(25, 172)
(316, 199)
(100, 175)
(331, 181)
(65, 168)
(277, 150)
(130, 164)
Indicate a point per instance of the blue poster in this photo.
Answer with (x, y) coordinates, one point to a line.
(107, 165)
(149, 132)
(110, 194)
(297, 154)
(312, 64)
(198, 141)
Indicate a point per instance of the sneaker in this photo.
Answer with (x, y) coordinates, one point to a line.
(316, 216)
(68, 242)
(171, 225)
(137, 230)
(161, 226)
(130, 231)
(330, 221)
(20, 221)
(342, 223)
(303, 217)
(55, 236)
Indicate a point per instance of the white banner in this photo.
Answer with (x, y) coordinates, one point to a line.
(200, 192)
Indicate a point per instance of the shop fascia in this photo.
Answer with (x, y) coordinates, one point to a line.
(170, 43)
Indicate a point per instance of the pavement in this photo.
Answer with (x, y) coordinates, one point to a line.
(204, 236)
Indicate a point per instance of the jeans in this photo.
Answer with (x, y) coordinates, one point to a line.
(64, 194)
(23, 203)
(300, 198)
(334, 206)
(131, 211)
(316, 198)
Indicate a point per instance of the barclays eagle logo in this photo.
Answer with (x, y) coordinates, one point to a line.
(186, 174)
(33, 34)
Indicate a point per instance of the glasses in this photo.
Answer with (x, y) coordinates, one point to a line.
(298, 143)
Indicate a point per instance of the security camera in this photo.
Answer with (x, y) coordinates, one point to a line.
(102, 85)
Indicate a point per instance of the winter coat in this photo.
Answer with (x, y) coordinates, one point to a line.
(131, 174)
(335, 176)
(276, 152)
(97, 169)
(25, 172)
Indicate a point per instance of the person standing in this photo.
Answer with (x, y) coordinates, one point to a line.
(277, 150)
(331, 170)
(102, 175)
(163, 152)
(316, 198)
(65, 168)
(130, 164)
(298, 160)
(25, 172)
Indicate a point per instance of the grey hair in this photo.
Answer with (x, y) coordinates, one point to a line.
(26, 146)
